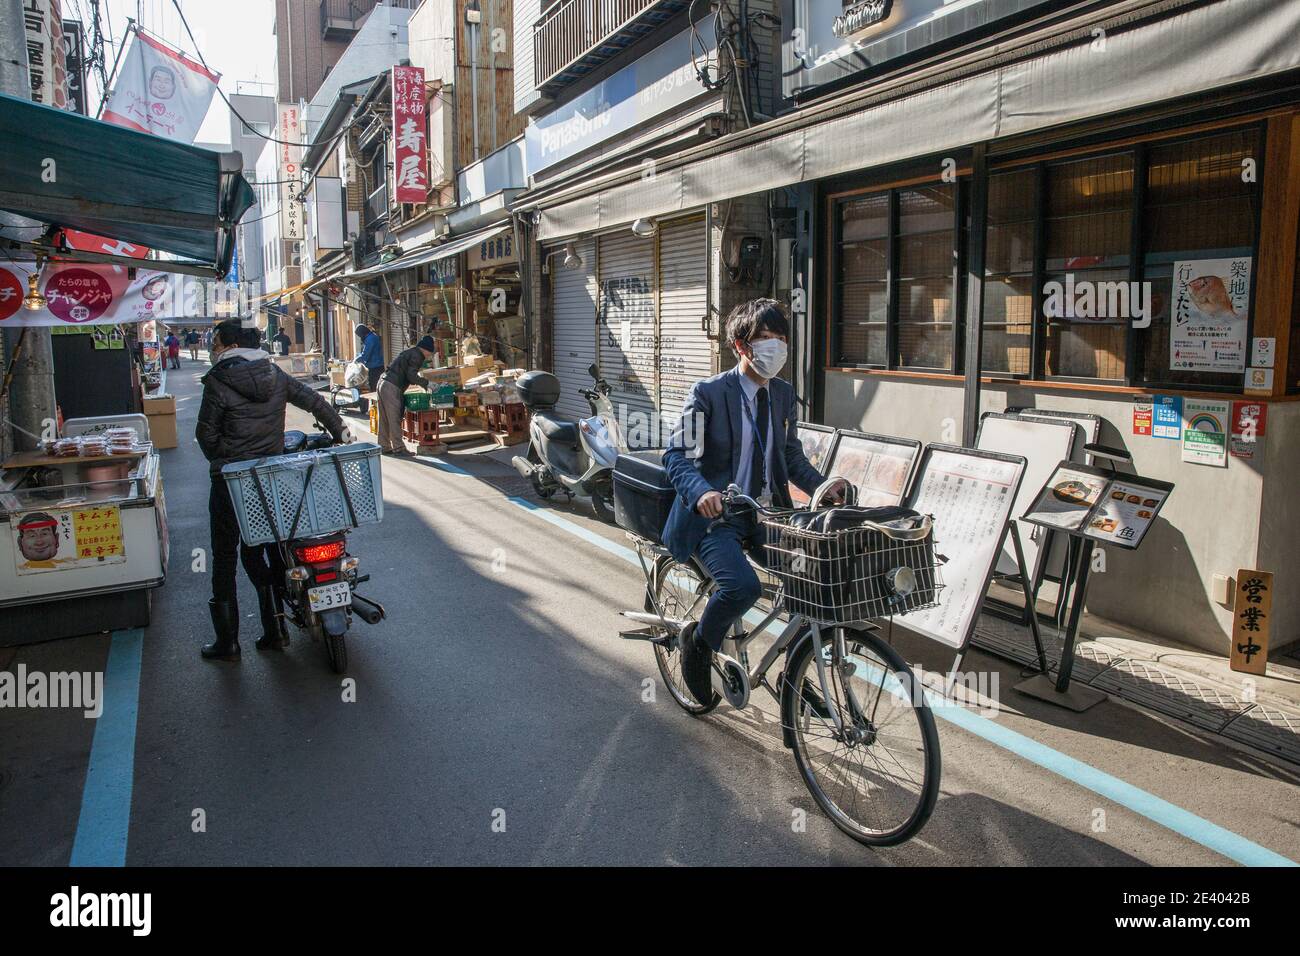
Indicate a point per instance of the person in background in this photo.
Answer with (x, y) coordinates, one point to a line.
(242, 417)
(192, 343)
(173, 350)
(740, 426)
(280, 343)
(403, 373)
(372, 355)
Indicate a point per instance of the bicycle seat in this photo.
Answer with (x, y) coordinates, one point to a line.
(294, 441)
(557, 429)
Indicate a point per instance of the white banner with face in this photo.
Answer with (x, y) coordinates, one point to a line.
(161, 92)
(80, 294)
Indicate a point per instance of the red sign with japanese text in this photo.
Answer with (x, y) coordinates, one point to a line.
(410, 132)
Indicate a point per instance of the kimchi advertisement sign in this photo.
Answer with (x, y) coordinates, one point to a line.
(80, 294)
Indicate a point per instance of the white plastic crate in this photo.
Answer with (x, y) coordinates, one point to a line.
(282, 480)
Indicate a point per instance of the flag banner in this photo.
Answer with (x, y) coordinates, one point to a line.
(160, 91)
(410, 158)
(80, 294)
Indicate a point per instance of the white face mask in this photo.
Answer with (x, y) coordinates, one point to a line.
(768, 357)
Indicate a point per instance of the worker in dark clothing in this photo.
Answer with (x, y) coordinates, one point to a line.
(242, 417)
(280, 343)
(403, 373)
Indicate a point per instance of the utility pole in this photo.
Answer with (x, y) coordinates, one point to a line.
(30, 402)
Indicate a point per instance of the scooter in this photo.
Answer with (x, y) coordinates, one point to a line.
(575, 457)
(318, 590)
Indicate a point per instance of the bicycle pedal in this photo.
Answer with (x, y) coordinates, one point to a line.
(643, 634)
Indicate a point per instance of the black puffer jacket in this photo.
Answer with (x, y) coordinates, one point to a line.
(242, 415)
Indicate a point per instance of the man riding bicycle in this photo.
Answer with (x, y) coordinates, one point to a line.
(739, 426)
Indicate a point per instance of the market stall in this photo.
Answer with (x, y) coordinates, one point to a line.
(83, 532)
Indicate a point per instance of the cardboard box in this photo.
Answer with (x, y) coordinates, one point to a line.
(162, 430)
(441, 376)
(159, 405)
(466, 400)
(466, 372)
(483, 362)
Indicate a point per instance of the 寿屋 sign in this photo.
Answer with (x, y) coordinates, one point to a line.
(410, 158)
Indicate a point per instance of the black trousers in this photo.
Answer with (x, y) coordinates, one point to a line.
(372, 377)
(261, 562)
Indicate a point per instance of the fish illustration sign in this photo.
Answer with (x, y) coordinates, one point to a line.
(1211, 311)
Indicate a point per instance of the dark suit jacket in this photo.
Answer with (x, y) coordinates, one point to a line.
(704, 453)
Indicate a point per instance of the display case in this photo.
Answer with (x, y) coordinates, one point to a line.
(83, 540)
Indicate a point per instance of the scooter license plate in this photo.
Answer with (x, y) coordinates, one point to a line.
(329, 596)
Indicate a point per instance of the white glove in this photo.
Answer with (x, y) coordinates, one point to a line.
(347, 438)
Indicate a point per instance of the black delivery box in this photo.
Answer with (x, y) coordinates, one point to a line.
(643, 495)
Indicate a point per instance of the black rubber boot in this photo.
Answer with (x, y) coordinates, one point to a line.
(274, 635)
(225, 621)
(697, 661)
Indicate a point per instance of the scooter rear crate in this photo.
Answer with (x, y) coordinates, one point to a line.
(344, 491)
(643, 495)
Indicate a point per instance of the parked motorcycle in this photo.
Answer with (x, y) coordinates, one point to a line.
(318, 590)
(575, 457)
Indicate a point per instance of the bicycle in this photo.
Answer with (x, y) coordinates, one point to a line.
(852, 711)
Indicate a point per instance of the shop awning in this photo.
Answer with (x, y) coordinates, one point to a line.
(422, 257)
(1156, 50)
(69, 170)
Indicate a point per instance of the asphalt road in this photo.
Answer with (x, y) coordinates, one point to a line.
(498, 719)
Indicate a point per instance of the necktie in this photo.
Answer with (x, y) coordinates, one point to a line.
(758, 447)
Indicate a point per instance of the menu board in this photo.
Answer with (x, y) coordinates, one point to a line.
(876, 465)
(818, 443)
(1126, 511)
(1042, 442)
(970, 495)
(1067, 499)
(1116, 509)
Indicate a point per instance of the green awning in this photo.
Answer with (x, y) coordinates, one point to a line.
(69, 170)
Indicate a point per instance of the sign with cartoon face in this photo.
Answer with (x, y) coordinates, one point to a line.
(161, 91)
(74, 538)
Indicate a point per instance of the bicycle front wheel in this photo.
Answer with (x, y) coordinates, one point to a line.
(875, 771)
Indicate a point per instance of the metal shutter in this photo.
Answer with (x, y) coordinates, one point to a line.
(573, 312)
(685, 354)
(628, 324)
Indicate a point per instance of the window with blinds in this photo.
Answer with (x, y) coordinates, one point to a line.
(896, 278)
(1068, 240)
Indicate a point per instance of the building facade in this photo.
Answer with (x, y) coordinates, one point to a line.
(1088, 210)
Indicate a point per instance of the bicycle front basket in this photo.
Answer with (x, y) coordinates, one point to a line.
(856, 573)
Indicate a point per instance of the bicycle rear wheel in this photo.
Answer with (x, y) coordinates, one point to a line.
(680, 594)
(878, 777)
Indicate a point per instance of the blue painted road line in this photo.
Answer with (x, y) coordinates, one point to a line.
(1183, 822)
(448, 467)
(106, 796)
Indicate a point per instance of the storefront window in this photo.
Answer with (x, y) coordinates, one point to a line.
(1009, 272)
(1199, 206)
(864, 280)
(1060, 246)
(896, 290)
(927, 217)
